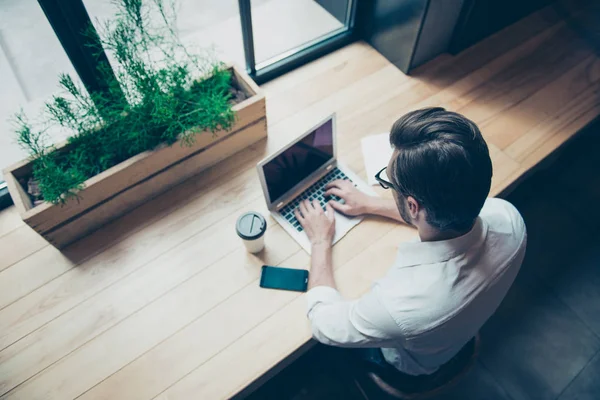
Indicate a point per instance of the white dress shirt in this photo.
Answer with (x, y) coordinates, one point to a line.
(435, 297)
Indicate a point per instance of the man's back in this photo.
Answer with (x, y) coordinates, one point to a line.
(434, 298)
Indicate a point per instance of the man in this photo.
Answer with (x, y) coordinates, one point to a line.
(442, 288)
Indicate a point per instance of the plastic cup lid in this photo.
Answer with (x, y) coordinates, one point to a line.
(251, 226)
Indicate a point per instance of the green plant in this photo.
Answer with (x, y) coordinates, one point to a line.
(162, 94)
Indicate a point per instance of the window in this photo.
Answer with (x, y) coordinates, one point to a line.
(31, 58)
(283, 27)
(202, 25)
(282, 34)
(269, 37)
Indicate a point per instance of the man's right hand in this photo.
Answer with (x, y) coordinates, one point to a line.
(355, 201)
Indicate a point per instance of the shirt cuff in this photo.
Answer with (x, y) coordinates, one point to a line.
(321, 294)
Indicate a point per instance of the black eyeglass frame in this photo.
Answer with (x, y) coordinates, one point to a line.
(384, 183)
(389, 185)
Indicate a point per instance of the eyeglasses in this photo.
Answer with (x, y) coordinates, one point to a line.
(383, 179)
(385, 183)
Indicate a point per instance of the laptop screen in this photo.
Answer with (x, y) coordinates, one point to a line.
(299, 161)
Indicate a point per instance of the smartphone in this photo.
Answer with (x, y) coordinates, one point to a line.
(284, 278)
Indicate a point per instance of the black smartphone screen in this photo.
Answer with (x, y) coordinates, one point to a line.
(284, 278)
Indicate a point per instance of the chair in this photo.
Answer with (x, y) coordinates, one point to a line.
(375, 385)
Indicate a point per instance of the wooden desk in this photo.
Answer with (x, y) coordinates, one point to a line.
(165, 303)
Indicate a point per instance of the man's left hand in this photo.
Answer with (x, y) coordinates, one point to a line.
(319, 225)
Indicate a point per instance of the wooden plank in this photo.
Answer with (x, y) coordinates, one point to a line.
(18, 244)
(510, 183)
(504, 168)
(140, 193)
(541, 141)
(24, 165)
(356, 119)
(460, 92)
(246, 83)
(338, 59)
(506, 127)
(9, 220)
(450, 69)
(577, 92)
(17, 193)
(349, 112)
(510, 87)
(285, 104)
(26, 275)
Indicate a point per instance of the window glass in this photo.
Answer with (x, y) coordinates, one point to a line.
(31, 59)
(283, 27)
(202, 24)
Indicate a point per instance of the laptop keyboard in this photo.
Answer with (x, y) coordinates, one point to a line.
(314, 192)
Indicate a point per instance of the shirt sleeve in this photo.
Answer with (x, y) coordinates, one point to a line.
(350, 323)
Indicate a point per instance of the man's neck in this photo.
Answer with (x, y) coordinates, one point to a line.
(429, 234)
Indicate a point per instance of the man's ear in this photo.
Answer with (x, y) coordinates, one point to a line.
(413, 207)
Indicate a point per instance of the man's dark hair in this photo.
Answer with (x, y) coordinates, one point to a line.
(444, 163)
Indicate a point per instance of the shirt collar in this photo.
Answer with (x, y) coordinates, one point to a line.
(415, 253)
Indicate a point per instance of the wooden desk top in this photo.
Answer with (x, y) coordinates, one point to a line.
(164, 303)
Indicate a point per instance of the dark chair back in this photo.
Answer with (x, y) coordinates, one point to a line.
(396, 386)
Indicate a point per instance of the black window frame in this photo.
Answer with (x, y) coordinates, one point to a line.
(76, 33)
(270, 69)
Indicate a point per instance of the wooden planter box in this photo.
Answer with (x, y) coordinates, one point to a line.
(123, 187)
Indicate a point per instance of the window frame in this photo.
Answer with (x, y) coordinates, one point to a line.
(293, 58)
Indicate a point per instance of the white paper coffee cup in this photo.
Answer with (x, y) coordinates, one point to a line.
(251, 228)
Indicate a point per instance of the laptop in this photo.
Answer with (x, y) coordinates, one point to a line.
(300, 171)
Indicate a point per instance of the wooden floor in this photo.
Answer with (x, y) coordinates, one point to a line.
(164, 302)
